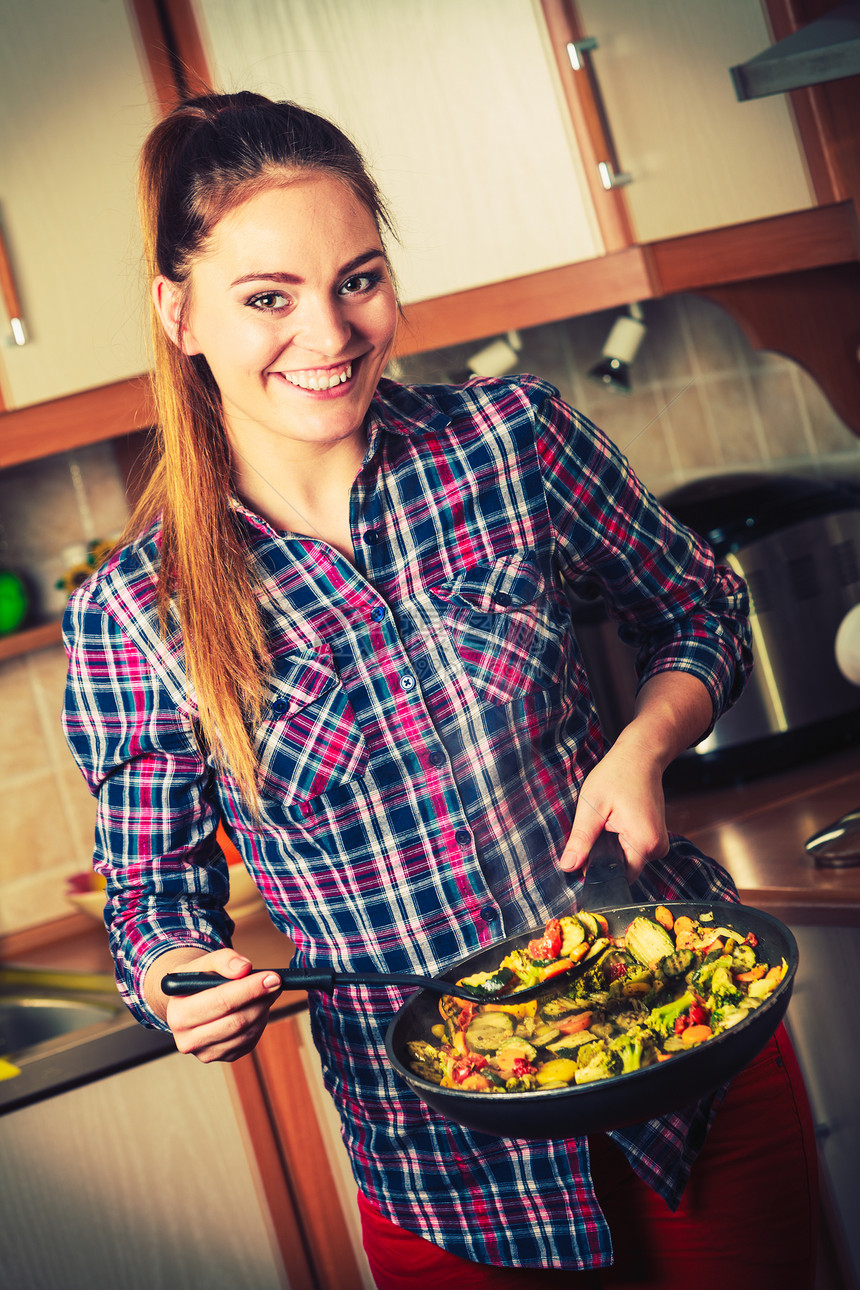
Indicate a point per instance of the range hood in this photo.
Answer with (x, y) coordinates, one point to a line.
(824, 50)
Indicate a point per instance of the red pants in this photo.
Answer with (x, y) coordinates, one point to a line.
(747, 1219)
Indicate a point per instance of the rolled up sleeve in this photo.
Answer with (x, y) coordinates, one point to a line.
(659, 581)
(166, 878)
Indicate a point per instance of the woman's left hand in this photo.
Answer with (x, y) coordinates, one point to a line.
(624, 794)
(624, 791)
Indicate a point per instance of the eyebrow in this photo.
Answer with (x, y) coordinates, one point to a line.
(294, 279)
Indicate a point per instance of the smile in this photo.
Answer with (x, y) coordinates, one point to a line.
(318, 379)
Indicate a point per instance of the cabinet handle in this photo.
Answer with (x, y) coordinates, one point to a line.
(579, 52)
(10, 296)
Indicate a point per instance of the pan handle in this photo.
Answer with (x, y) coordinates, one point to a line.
(606, 885)
(182, 983)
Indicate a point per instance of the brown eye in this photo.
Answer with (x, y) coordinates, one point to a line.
(268, 301)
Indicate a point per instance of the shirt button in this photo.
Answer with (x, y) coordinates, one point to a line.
(436, 758)
(407, 681)
(377, 614)
(462, 836)
(489, 913)
(371, 537)
(280, 706)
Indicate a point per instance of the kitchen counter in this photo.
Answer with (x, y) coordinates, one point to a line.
(756, 830)
(120, 1043)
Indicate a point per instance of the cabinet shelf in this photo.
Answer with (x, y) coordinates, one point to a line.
(30, 639)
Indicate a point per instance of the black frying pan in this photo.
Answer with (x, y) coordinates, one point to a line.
(624, 1099)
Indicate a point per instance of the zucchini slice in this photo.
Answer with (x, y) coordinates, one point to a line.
(488, 1031)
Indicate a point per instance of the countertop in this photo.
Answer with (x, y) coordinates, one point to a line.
(757, 830)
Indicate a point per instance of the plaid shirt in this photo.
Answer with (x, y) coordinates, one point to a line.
(427, 726)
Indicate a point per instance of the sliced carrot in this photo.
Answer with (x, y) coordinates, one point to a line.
(754, 974)
(695, 1035)
(684, 925)
(664, 917)
(572, 1025)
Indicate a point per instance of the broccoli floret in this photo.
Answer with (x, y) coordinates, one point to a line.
(629, 1048)
(726, 1015)
(701, 979)
(662, 1020)
(723, 989)
(603, 1064)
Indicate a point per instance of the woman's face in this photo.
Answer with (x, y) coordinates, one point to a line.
(292, 306)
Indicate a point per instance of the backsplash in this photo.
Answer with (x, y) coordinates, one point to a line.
(703, 402)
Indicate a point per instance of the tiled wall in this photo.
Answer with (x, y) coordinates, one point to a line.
(702, 402)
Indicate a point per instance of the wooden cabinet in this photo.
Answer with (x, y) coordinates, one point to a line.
(141, 1179)
(824, 999)
(697, 158)
(458, 109)
(74, 109)
(295, 1132)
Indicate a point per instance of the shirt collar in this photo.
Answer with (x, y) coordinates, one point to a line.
(403, 410)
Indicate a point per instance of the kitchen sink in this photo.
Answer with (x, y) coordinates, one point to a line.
(27, 1020)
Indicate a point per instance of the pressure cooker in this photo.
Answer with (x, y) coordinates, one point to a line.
(796, 543)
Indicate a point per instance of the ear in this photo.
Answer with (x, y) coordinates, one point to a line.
(167, 296)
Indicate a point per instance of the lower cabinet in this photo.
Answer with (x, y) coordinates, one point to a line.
(822, 1022)
(140, 1180)
(295, 1133)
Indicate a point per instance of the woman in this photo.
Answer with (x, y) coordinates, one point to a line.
(338, 626)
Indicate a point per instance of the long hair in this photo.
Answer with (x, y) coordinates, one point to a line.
(207, 156)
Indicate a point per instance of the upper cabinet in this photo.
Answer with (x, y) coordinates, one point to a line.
(74, 108)
(459, 110)
(697, 158)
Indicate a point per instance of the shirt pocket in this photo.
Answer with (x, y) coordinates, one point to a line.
(508, 630)
(309, 742)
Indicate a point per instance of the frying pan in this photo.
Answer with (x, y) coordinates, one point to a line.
(623, 1099)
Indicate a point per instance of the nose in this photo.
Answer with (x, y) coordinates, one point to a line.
(321, 325)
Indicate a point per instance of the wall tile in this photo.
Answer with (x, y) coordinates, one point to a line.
(734, 417)
(830, 433)
(23, 746)
(787, 431)
(34, 827)
(716, 340)
(689, 418)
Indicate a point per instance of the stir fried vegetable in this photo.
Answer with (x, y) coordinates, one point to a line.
(663, 987)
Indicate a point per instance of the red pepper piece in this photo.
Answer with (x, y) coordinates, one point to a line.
(547, 946)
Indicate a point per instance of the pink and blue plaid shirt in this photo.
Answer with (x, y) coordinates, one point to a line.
(427, 726)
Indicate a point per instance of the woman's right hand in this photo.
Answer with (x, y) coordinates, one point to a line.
(217, 1025)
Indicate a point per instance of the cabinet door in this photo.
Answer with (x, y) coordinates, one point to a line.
(74, 109)
(458, 109)
(140, 1180)
(295, 1132)
(699, 159)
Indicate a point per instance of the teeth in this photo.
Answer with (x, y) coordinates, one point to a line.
(316, 380)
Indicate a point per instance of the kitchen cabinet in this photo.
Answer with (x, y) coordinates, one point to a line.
(137, 1180)
(74, 109)
(697, 158)
(458, 109)
(295, 1131)
(822, 1023)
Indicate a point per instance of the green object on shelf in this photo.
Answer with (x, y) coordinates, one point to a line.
(14, 602)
